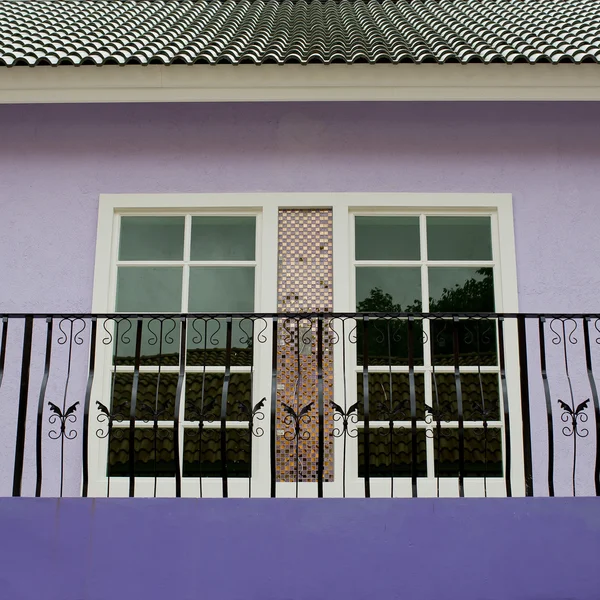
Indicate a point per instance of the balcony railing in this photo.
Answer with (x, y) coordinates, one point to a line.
(368, 404)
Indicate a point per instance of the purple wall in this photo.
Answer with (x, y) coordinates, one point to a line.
(520, 549)
(56, 160)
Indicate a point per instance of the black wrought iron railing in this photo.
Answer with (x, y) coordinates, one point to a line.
(366, 404)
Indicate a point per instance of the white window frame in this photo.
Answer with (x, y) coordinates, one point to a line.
(266, 206)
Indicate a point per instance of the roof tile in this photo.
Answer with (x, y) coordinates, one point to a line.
(55, 32)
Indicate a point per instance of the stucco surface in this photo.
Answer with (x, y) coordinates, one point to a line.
(519, 549)
(56, 160)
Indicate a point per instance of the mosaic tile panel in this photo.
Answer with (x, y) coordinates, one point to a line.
(305, 284)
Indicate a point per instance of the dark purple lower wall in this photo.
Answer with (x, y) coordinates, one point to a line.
(73, 549)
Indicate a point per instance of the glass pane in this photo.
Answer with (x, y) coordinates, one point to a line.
(459, 238)
(153, 449)
(388, 289)
(476, 342)
(202, 453)
(391, 453)
(207, 341)
(388, 342)
(149, 289)
(387, 238)
(461, 289)
(151, 238)
(155, 396)
(203, 396)
(223, 238)
(481, 398)
(386, 406)
(160, 341)
(221, 289)
(483, 452)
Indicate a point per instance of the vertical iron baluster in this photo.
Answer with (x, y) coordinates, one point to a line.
(132, 406)
(525, 410)
(459, 407)
(544, 372)
(3, 341)
(224, 397)
(573, 410)
(366, 415)
(413, 404)
(297, 394)
(321, 456)
(390, 408)
(505, 405)
(156, 396)
(345, 388)
(438, 426)
(22, 414)
(40, 410)
(251, 407)
(177, 416)
(594, 390)
(86, 407)
(273, 432)
(484, 414)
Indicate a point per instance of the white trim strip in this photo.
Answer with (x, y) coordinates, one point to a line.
(250, 83)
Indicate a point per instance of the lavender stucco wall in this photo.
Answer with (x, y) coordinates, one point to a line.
(520, 549)
(56, 160)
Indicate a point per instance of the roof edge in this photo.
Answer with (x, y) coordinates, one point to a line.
(288, 83)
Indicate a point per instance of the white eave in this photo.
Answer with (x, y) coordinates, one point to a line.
(288, 83)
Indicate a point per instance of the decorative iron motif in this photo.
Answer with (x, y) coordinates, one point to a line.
(254, 414)
(297, 419)
(105, 416)
(347, 417)
(575, 416)
(63, 418)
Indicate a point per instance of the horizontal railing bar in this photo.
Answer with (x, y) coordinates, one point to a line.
(422, 369)
(185, 424)
(421, 424)
(307, 315)
(175, 369)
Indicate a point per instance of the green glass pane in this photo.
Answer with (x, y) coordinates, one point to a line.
(203, 396)
(461, 289)
(480, 397)
(155, 398)
(390, 453)
(202, 453)
(483, 452)
(159, 345)
(149, 289)
(153, 453)
(151, 238)
(394, 406)
(221, 289)
(459, 238)
(387, 238)
(388, 289)
(389, 342)
(207, 342)
(477, 342)
(223, 238)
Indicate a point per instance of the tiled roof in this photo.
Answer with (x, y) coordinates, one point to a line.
(98, 32)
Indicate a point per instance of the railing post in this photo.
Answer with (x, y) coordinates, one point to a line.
(525, 411)
(22, 415)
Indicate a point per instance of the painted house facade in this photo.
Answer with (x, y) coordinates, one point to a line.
(302, 256)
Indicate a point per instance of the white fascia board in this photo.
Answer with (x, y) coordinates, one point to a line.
(250, 83)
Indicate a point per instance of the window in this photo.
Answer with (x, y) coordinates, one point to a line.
(182, 263)
(162, 256)
(438, 263)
